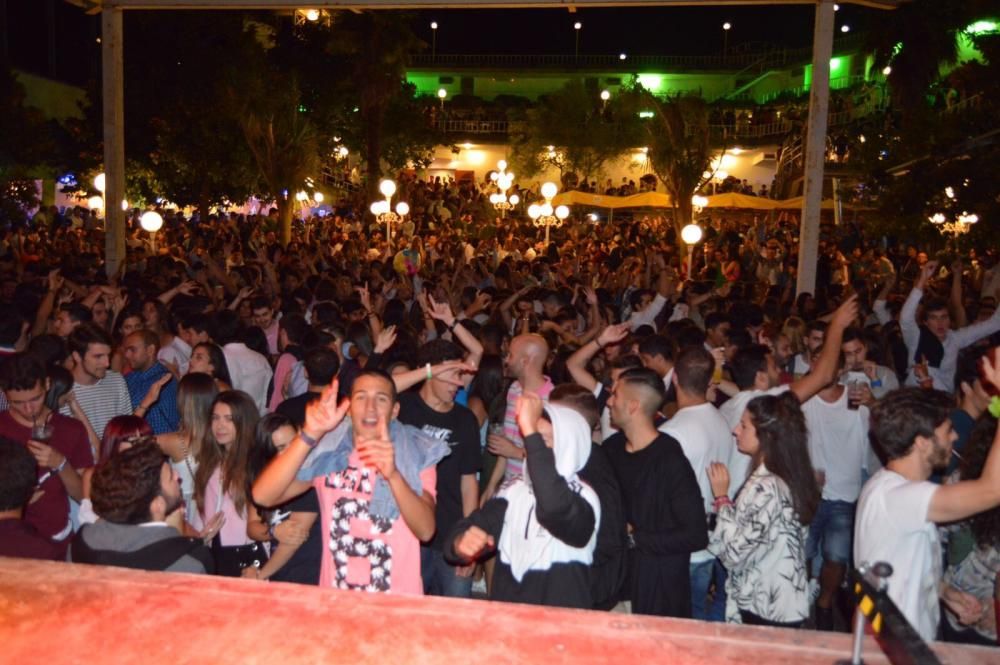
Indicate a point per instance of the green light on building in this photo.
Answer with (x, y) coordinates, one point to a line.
(985, 27)
(651, 82)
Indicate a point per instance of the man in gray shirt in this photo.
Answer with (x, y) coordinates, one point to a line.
(137, 495)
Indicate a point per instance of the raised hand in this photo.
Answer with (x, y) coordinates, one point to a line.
(613, 334)
(324, 414)
(528, 410)
(846, 313)
(440, 310)
(379, 452)
(990, 369)
(153, 394)
(473, 542)
(386, 338)
(718, 476)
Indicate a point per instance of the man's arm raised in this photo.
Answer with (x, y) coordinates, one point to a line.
(826, 366)
(277, 483)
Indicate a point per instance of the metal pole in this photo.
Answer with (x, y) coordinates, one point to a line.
(690, 260)
(113, 75)
(815, 153)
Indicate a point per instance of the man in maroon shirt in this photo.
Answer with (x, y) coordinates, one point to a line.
(17, 485)
(60, 459)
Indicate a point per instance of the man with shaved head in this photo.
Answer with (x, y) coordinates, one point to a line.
(525, 363)
(664, 510)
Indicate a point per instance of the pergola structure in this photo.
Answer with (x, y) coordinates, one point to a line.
(112, 44)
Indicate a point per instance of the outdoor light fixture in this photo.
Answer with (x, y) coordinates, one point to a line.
(442, 93)
(434, 40)
(605, 95)
(99, 182)
(383, 209)
(622, 56)
(503, 180)
(544, 215)
(95, 203)
(577, 25)
(151, 222)
(962, 224)
(318, 197)
(434, 25)
(124, 205)
(698, 203)
(845, 28)
(312, 15)
(727, 25)
(691, 235)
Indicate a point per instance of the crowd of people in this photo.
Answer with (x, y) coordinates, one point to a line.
(466, 411)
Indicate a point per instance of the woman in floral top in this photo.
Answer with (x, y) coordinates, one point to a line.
(761, 537)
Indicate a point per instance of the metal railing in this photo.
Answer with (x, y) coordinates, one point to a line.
(458, 126)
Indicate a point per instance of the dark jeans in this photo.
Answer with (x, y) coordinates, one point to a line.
(751, 619)
(439, 576)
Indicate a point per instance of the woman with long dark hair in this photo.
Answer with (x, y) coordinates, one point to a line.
(208, 358)
(220, 483)
(293, 527)
(761, 538)
(196, 394)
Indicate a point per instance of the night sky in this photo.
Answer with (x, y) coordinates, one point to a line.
(638, 31)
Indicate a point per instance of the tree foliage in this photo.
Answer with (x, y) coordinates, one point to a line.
(585, 134)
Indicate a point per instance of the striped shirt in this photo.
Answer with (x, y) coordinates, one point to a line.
(102, 401)
(515, 467)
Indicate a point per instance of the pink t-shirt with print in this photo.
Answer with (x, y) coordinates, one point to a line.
(360, 551)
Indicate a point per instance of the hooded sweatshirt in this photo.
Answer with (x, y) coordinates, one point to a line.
(544, 522)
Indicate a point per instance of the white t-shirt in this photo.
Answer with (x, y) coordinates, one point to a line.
(838, 445)
(705, 438)
(800, 365)
(732, 411)
(891, 525)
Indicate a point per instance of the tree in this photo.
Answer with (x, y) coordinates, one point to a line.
(377, 47)
(26, 151)
(584, 134)
(680, 153)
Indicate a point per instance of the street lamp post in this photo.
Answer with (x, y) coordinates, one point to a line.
(442, 93)
(434, 40)
(383, 209)
(726, 27)
(502, 180)
(605, 96)
(576, 50)
(544, 215)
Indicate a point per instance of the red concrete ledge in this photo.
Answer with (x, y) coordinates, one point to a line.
(55, 613)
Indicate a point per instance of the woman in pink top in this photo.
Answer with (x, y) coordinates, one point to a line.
(220, 487)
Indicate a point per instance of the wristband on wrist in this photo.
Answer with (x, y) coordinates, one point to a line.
(598, 343)
(430, 372)
(994, 407)
(62, 465)
(454, 323)
(306, 439)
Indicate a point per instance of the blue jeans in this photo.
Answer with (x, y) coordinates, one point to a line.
(831, 532)
(702, 574)
(439, 576)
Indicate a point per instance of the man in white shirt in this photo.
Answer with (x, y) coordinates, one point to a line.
(934, 341)
(101, 392)
(838, 446)
(879, 380)
(705, 437)
(815, 333)
(249, 370)
(899, 508)
(647, 305)
(755, 373)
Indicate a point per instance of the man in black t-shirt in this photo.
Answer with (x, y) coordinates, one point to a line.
(321, 367)
(433, 410)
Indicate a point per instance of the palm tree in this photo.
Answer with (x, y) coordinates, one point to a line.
(679, 150)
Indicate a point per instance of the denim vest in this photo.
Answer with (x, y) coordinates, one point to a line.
(413, 450)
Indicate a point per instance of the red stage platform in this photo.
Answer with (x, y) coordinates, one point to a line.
(54, 613)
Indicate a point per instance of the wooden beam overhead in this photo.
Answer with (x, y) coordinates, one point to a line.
(358, 5)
